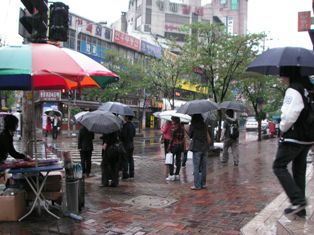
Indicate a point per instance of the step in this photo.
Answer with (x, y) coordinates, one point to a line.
(271, 221)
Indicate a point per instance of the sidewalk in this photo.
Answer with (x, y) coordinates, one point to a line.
(151, 205)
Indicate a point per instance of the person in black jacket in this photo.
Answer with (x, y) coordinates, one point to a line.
(85, 146)
(6, 140)
(294, 144)
(111, 157)
(126, 136)
(199, 146)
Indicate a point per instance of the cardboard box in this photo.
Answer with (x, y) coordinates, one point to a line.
(12, 207)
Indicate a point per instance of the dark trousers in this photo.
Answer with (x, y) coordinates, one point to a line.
(293, 185)
(177, 155)
(109, 170)
(184, 158)
(86, 161)
(128, 164)
(54, 132)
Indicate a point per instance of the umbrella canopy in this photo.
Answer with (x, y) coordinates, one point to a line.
(271, 61)
(53, 112)
(44, 66)
(236, 106)
(173, 113)
(198, 107)
(117, 108)
(80, 114)
(101, 122)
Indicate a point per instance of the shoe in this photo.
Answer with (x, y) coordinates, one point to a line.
(235, 163)
(183, 166)
(170, 178)
(205, 186)
(301, 213)
(194, 188)
(293, 209)
(90, 175)
(223, 161)
(176, 177)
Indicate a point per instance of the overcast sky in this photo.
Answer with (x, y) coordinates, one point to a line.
(278, 18)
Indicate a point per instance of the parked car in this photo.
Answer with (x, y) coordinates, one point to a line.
(251, 124)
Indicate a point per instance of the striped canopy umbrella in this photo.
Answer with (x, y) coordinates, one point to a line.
(41, 66)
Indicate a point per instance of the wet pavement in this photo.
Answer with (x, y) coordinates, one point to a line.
(151, 205)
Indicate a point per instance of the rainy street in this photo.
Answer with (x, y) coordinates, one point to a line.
(151, 205)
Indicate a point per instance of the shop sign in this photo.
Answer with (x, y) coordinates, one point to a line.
(50, 95)
(92, 49)
(85, 26)
(304, 21)
(150, 49)
(126, 40)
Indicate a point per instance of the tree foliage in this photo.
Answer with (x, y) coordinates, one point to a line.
(131, 79)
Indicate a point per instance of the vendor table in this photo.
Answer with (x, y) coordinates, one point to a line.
(28, 174)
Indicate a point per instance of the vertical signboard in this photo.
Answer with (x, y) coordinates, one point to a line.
(304, 21)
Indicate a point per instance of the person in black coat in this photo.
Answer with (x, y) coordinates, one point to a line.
(110, 160)
(126, 136)
(85, 146)
(6, 140)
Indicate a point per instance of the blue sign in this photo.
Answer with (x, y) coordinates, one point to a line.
(150, 49)
(93, 51)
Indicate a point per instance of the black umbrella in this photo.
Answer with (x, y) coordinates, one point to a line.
(236, 106)
(198, 107)
(117, 108)
(101, 122)
(272, 61)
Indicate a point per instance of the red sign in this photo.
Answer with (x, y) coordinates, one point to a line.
(304, 21)
(126, 40)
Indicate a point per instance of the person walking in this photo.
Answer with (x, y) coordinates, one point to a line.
(187, 142)
(126, 136)
(294, 142)
(166, 134)
(199, 146)
(176, 147)
(55, 126)
(48, 126)
(230, 137)
(85, 146)
(6, 140)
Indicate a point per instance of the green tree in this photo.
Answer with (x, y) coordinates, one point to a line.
(164, 74)
(265, 94)
(222, 57)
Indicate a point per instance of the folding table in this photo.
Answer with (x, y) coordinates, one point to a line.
(37, 188)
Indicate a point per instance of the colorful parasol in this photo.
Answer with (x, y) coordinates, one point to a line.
(44, 66)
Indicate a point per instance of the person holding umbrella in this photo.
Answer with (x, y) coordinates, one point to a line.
(199, 146)
(295, 141)
(126, 136)
(176, 147)
(85, 146)
(230, 137)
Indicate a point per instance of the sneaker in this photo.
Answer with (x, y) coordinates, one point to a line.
(177, 177)
(205, 186)
(235, 163)
(293, 209)
(183, 166)
(223, 161)
(194, 188)
(170, 178)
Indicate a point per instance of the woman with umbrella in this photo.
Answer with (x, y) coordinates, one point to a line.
(199, 146)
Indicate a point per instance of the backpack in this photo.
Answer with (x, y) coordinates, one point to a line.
(234, 130)
(308, 112)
